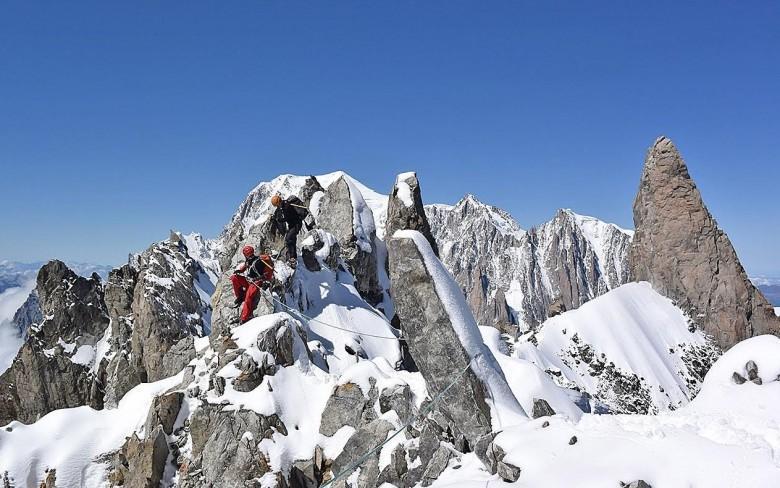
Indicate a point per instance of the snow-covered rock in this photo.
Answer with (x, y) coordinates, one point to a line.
(53, 368)
(445, 342)
(631, 349)
(512, 278)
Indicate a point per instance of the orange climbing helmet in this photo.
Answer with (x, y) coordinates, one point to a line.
(276, 200)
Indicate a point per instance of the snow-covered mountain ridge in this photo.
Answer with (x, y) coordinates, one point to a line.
(378, 360)
(516, 279)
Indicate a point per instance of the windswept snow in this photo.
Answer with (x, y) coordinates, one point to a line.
(505, 408)
(633, 327)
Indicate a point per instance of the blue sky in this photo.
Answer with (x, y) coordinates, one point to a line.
(119, 121)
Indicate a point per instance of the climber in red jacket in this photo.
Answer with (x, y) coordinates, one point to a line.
(254, 273)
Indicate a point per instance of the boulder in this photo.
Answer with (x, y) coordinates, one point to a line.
(141, 462)
(508, 472)
(751, 368)
(542, 408)
(437, 465)
(347, 405)
(225, 446)
(164, 412)
(636, 484)
(679, 248)
(360, 443)
(399, 399)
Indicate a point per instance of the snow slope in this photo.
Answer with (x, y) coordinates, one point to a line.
(631, 337)
(728, 437)
(70, 439)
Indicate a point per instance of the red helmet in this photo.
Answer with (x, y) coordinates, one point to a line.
(248, 251)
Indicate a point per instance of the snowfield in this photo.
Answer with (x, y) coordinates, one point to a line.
(71, 439)
(634, 328)
(729, 436)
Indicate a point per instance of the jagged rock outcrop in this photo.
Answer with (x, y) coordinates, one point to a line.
(156, 308)
(405, 209)
(256, 209)
(119, 291)
(225, 446)
(680, 250)
(344, 213)
(53, 369)
(140, 463)
(251, 225)
(511, 277)
(433, 340)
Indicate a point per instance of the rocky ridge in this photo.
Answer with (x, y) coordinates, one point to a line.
(514, 279)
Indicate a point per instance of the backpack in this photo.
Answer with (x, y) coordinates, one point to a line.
(267, 266)
(299, 206)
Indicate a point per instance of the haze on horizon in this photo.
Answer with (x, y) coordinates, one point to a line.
(120, 122)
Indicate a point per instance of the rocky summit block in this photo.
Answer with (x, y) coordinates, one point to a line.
(680, 250)
(405, 209)
(344, 213)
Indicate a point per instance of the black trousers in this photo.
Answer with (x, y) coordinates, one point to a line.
(291, 239)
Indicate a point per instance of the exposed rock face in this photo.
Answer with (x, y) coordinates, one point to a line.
(346, 215)
(405, 209)
(348, 405)
(679, 248)
(224, 446)
(53, 369)
(141, 462)
(433, 343)
(512, 277)
(119, 291)
(156, 307)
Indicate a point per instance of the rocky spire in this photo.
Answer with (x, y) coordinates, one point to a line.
(405, 209)
(679, 248)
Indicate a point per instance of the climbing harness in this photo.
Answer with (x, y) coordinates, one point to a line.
(425, 411)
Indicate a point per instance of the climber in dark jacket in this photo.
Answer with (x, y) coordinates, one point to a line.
(289, 219)
(254, 273)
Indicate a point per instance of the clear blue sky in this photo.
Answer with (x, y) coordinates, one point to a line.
(120, 120)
